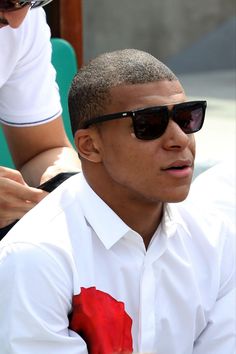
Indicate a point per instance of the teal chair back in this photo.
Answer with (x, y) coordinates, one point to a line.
(5, 156)
(65, 63)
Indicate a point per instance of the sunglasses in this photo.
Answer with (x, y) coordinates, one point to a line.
(13, 5)
(151, 123)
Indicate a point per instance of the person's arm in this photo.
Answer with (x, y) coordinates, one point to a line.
(40, 152)
(35, 299)
(29, 98)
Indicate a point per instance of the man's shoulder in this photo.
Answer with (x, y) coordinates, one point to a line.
(20, 42)
(52, 220)
(34, 31)
(34, 19)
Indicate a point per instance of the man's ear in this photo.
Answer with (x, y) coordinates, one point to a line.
(86, 142)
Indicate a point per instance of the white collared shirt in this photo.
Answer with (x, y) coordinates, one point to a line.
(29, 94)
(178, 293)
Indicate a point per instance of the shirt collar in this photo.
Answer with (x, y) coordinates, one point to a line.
(172, 219)
(104, 221)
(110, 228)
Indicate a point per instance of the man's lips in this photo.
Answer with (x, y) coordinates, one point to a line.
(178, 165)
(179, 169)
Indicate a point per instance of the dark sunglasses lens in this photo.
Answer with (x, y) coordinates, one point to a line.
(151, 124)
(11, 5)
(40, 3)
(190, 118)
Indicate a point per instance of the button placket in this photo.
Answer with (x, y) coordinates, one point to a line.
(148, 288)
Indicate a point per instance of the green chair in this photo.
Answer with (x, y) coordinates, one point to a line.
(65, 63)
(5, 156)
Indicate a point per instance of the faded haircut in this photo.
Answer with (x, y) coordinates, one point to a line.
(90, 89)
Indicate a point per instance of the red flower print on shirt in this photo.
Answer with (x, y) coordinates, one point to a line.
(102, 322)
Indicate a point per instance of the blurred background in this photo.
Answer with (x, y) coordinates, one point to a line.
(196, 39)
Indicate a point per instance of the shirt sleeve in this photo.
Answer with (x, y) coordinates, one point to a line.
(219, 336)
(30, 96)
(35, 299)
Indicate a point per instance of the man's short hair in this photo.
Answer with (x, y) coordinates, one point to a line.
(90, 89)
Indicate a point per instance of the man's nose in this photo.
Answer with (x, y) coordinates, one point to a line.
(175, 137)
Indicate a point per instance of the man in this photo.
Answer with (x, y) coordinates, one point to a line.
(106, 263)
(30, 110)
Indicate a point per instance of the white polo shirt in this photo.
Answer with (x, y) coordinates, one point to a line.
(177, 294)
(29, 94)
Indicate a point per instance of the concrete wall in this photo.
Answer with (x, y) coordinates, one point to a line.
(161, 27)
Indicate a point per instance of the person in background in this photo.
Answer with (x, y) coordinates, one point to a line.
(30, 109)
(215, 189)
(118, 261)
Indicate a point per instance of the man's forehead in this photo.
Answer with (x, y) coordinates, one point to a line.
(128, 97)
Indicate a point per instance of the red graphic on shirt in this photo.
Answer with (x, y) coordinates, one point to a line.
(102, 322)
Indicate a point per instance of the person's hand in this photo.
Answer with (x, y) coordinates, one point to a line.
(16, 197)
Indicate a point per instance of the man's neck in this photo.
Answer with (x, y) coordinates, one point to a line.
(144, 220)
(139, 213)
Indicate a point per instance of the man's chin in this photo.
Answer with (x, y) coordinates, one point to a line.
(180, 197)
